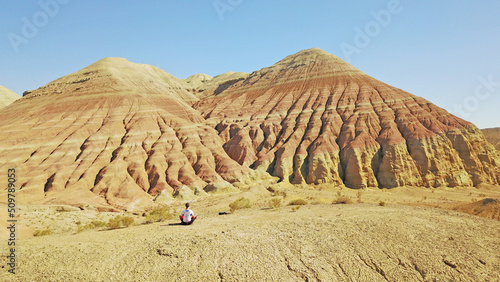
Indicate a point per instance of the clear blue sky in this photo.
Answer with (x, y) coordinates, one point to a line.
(440, 50)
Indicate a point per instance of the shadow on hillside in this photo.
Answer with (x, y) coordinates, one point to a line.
(170, 224)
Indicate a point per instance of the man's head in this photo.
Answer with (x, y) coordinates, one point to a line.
(187, 205)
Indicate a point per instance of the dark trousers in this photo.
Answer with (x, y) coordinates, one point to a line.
(187, 223)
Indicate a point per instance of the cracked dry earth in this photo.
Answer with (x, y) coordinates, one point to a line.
(358, 242)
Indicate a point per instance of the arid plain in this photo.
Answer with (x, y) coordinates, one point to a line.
(380, 235)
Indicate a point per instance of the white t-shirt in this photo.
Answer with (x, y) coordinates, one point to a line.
(186, 215)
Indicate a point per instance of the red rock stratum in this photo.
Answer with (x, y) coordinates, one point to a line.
(312, 118)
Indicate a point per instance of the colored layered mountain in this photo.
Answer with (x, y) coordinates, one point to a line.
(313, 118)
(113, 135)
(7, 97)
(493, 136)
(119, 135)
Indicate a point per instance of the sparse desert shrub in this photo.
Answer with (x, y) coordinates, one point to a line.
(127, 221)
(42, 232)
(92, 225)
(159, 214)
(120, 221)
(114, 223)
(82, 228)
(381, 203)
(359, 194)
(295, 208)
(98, 223)
(278, 192)
(275, 203)
(342, 200)
(298, 202)
(241, 203)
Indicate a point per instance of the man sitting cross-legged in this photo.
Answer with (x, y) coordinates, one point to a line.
(187, 216)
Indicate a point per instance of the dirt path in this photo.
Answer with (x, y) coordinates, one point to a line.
(357, 242)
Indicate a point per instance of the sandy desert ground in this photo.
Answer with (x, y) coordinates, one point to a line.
(408, 239)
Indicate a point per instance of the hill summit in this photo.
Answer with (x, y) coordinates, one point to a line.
(7, 97)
